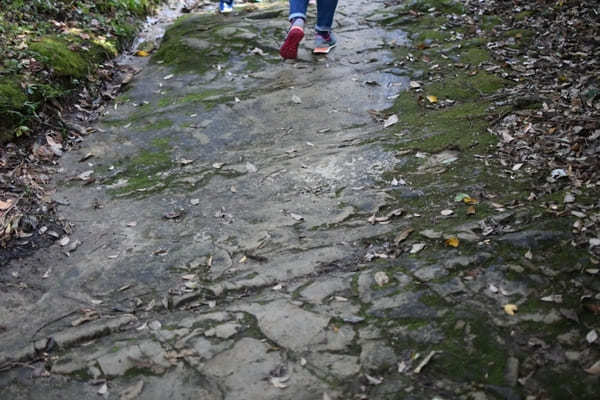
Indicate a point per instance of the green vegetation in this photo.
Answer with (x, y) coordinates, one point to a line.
(51, 47)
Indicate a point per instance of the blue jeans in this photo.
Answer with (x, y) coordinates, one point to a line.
(325, 12)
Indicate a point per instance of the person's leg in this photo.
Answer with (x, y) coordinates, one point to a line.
(325, 13)
(289, 48)
(225, 6)
(324, 39)
(298, 9)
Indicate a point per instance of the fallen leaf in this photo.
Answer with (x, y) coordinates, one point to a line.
(452, 241)
(460, 197)
(142, 53)
(297, 217)
(424, 362)
(417, 247)
(278, 382)
(381, 278)
(391, 120)
(432, 99)
(132, 391)
(402, 367)
(5, 205)
(89, 315)
(554, 298)
(471, 210)
(251, 167)
(403, 236)
(431, 234)
(103, 389)
(592, 336)
(594, 369)
(511, 309)
(470, 200)
(373, 381)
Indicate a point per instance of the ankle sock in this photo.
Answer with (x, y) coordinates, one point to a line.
(298, 22)
(323, 34)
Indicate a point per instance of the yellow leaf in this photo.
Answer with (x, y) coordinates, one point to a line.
(471, 210)
(470, 200)
(432, 99)
(142, 53)
(453, 241)
(511, 309)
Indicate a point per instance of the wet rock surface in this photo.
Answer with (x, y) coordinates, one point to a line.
(239, 243)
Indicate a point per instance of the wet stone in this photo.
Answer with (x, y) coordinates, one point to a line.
(244, 371)
(427, 333)
(320, 290)
(453, 286)
(530, 239)
(288, 325)
(377, 355)
(402, 305)
(224, 331)
(339, 365)
(430, 272)
(146, 353)
(205, 349)
(338, 339)
(512, 371)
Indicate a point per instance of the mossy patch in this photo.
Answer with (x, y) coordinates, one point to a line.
(201, 42)
(157, 125)
(56, 54)
(142, 171)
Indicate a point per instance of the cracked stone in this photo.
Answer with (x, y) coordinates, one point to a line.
(288, 325)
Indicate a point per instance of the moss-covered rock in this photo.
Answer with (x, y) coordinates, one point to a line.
(57, 55)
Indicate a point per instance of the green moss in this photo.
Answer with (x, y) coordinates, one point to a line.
(445, 6)
(485, 364)
(55, 52)
(467, 88)
(11, 94)
(157, 125)
(142, 170)
(435, 35)
(475, 56)
(490, 21)
(184, 50)
(523, 15)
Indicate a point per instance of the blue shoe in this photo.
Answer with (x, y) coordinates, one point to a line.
(324, 43)
(224, 7)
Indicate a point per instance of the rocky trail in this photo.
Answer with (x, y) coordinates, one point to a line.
(240, 227)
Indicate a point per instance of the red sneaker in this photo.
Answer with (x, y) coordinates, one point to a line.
(289, 48)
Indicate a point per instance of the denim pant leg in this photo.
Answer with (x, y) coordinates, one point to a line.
(325, 12)
(298, 9)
